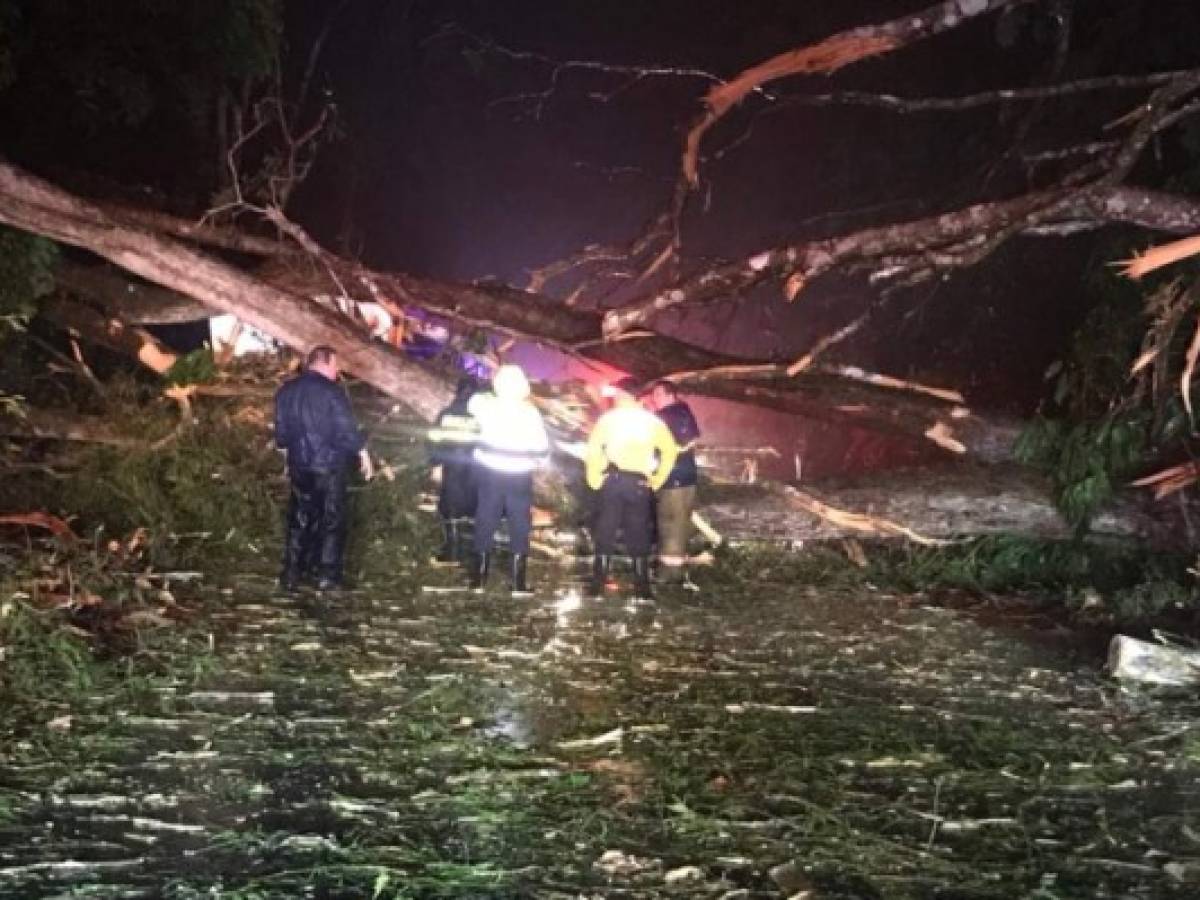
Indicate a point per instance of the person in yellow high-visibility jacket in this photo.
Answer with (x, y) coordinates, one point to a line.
(630, 453)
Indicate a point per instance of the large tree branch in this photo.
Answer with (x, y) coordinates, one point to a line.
(109, 331)
(911, 105)
(204, 233)
(829, 55)
(938, 240)
(30, 204)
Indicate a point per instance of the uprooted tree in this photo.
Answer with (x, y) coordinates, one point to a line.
(244, 256)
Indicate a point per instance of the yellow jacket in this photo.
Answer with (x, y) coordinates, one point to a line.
(632, 439)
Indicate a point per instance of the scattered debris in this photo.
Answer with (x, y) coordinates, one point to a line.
(1130, 659)
(619, 863)
(684, 875)
(602, 740)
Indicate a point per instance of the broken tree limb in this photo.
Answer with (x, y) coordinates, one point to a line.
(939, 241)
(1171, 479)
(861, 523)
(1130, 659)
(45, 424)
(111, 332)
(803, 263)
(829, 55)
(51, 523)
(1154, 258)
(204, 233)
(710, 534)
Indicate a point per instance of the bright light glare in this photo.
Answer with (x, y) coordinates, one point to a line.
(567, 602)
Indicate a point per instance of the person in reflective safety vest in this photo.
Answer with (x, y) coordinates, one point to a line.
(512, 444)
(630, 452)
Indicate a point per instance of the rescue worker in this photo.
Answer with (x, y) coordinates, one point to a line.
(512, 444)
(678, 495)
(630, 453)
(452, 442)
(316, 429)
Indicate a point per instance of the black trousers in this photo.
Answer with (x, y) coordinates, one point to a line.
(316, 524)
(626, 506)
(459, 493)
(500, 495)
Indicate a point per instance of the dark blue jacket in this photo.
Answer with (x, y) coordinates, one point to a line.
(315, 424)
(678, 417)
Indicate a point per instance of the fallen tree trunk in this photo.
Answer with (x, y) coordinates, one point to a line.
(279, 302)
(134, 302)
(33, 205)
(111, 332)
(816, 394)
(942, 504)
(54, 425)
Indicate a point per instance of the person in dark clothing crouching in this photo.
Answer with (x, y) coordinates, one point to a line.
(453, 441)
(316, 429)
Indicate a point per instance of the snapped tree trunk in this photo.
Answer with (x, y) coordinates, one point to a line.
(111, 332)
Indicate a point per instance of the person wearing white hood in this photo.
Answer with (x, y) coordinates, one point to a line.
(512, 444)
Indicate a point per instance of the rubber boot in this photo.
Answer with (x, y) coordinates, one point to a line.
(641, 578)
(481, 563)
(601, 563)
(520, 587)
(449, 554)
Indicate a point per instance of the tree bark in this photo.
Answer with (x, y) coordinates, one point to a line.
(948, 502)
(134, 302)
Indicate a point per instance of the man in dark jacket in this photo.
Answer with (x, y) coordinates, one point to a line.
(315, 427)
(452, 446)
(678, 495)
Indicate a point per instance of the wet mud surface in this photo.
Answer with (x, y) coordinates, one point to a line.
(772, 740)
